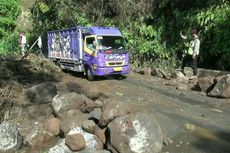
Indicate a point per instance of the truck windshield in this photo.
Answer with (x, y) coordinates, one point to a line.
(115, 43)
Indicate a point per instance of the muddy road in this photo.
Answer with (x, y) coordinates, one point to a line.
(191, 122)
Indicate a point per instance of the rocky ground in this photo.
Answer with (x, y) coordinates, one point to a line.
(45, 110)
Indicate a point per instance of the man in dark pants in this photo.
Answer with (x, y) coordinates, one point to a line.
(192, 53)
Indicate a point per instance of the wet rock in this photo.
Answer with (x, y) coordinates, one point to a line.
(10, 140)
(139, 133)
(38, 138)
(88, 126)
(222, 88)
(53, 125)
(206, 84)
(75, 142)
(96, 113)
(42, 93)
(64, 102)
(72, 119)
(112, 110)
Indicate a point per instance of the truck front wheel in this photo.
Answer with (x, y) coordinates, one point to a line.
(89, 74)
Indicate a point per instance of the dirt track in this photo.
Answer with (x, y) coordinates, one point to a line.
(191, 122)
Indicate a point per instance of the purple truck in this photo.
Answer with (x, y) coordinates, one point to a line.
(96, 51)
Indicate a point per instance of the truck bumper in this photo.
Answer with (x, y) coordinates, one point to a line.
(102, 71)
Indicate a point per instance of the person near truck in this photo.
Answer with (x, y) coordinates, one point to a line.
(192, 52)
(22, 42)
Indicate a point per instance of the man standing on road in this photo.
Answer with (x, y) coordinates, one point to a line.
(22, 42)
(192, 53)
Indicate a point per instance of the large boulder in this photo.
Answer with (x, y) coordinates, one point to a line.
(139, 133)
(72, 119)
(38, 138)
(206, 84)
(111, 110)
(42, 93)
(64, 102)
(222, 88)
(10, 140)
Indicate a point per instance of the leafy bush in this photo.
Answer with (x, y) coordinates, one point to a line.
(9, 11)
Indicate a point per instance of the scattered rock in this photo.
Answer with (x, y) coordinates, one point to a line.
(157, 72)
(139, 133)
(10, 140)
(60, 147)
(138, 70)
(100, 133)
(206, 84)
(96, 113)
(102, 151)
(181, 77)
(222, 88)
(42, 93)
(88, 126)
(92, 142)
(72, 119)
(75, 142)
(147, 71)
(64, 102)
(38, 137)
(53, 125)
(111, 110)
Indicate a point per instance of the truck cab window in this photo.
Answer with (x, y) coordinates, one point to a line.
(91, 43)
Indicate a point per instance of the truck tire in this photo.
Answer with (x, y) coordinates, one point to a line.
(89, 74)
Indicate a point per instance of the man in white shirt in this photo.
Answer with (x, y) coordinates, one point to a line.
(192, 52)
(22, 42)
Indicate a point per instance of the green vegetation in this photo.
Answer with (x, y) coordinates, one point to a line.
(9, 11)
(150, 26)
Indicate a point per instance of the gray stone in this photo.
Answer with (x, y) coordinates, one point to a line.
(102, 151)
(64, 102)
(206, 84)
(222, 88)
(42, 93)
(136, 133)
(88, 126)
(96, 113)
(10, 140)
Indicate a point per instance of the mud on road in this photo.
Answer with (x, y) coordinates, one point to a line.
(191, 122)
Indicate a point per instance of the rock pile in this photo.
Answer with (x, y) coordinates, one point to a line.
(79, 124)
